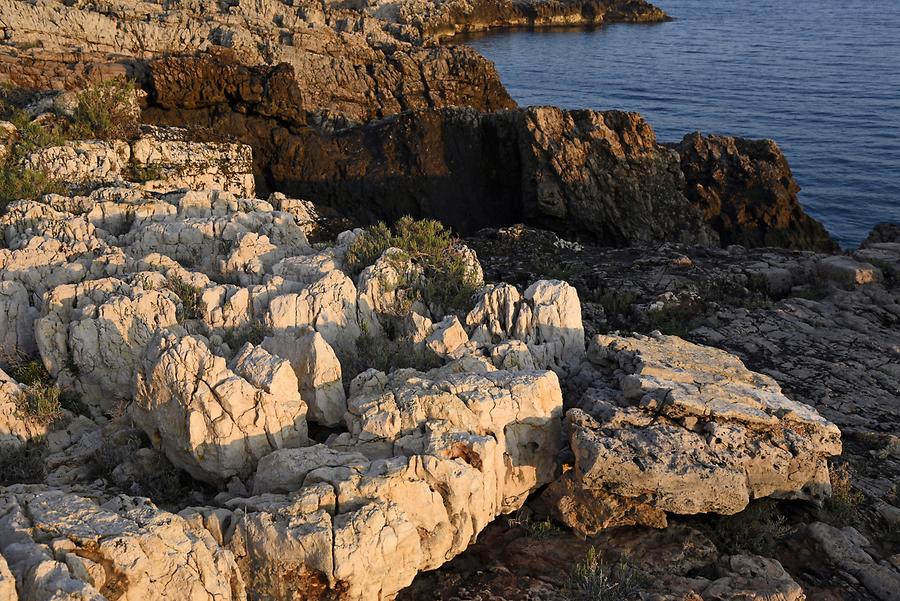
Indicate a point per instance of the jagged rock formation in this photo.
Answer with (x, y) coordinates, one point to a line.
(746, 192)
(216, 420)
(60, 545)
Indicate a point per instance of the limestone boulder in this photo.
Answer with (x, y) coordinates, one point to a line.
(686, 429)
(429, 462)
(327, 305)
(318, 373)
(93, 335)
(547, 318)
(214, 420)
(17, 317)
(59, 545)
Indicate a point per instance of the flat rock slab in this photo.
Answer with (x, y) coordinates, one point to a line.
(670, 426)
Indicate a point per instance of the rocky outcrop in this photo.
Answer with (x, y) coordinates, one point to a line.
(337, 60)
(669, 426)
(162, 159)
(544, 165)
(60, 545)
(428, 463)
(746, 192)
(547, 318)
(438, 19)
(216, 420)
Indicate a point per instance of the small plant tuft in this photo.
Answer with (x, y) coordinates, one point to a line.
(595, 580)
(23, 464)
(757, 530)
(41, 403)
(254, 333)
(842, 507)
(30, 372)
(187, 294)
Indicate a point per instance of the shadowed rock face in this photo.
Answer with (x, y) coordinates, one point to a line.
(746, 192)
(598, 175)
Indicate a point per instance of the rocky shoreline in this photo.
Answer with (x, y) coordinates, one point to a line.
(643, 372)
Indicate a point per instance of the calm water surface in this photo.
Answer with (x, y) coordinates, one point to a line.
(821, 78)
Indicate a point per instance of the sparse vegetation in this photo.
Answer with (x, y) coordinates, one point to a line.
(254, 333)
(187, 294)
(41, 403)
(143, 173)
(160, 481)
(539, 530)
(24, 464)
(387, 355)
(447, 281)
(756, 530)
(106, 111)
(30, 371)
(842, 507)
(595, 580)
(617, 306)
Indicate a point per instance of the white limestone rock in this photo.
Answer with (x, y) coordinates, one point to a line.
(83, 161)
(17, 317)
(547, 318)
(328, 306)
(688, 429)
(93, 335)
(447, 337)
(209, 420)
(182, 163)
(318, 373)
(125, 547)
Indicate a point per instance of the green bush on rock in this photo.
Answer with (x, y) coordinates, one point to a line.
(448, 280)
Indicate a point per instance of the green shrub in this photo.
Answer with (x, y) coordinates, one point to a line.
(41, 403)
(25, 464)
(106, 111)
(595, 580)
(31, 372)
(447, 280)
(387, 355)
(16, 181)
(143, 173)
(254, 333)
(187, 294)
(368, 247)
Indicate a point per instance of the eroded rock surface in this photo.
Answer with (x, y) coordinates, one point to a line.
(670, 426)
(60, 545)
(746, 192)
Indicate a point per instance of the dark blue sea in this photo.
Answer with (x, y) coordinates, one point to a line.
(820, 78)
